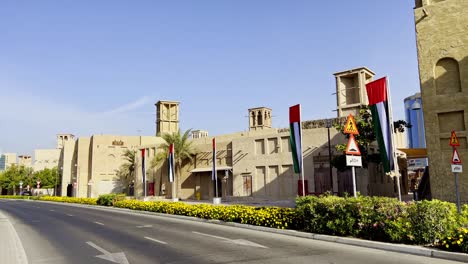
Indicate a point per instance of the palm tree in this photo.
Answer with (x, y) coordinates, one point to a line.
(183, 150)
(128, 168)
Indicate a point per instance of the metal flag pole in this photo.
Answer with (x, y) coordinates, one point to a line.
(392, 139)
(302, 156)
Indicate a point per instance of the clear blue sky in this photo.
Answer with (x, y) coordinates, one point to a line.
(90, 67)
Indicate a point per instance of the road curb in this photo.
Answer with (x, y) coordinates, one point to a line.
(400, 248)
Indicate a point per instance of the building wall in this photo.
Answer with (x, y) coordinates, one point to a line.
(46, 158)
(442, 43)
(7, 159)
(66, 164)
(25, 160)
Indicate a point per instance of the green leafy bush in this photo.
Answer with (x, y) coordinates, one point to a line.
(379, 218)
(431, 220)
(109, 199)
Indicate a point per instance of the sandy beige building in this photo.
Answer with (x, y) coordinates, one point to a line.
(442, 43)
(256, 163)
(46, 158)
(25, 160)
(89, 164)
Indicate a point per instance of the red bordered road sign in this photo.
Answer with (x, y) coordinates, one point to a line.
(352, 147)
(350, 126)
(454, 142)
(455, 157)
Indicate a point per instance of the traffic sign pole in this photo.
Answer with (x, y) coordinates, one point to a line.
(354, 181)
(457, 193)
(352, 148)
(456, 166)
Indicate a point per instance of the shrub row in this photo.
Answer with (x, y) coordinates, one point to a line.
(18, 197)
(91, 201)
(109, 199)
(379, 218)
(262, 216)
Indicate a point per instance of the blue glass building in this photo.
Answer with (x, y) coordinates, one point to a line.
(416, 133)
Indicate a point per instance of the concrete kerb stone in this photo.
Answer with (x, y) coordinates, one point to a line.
(400, 248)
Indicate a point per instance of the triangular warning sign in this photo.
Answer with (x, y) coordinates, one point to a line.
(350, 126)
(454, 140)
(352, 147)
(455, 157)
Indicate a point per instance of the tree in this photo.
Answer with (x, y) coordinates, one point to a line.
(11, 177)
(364, 139)
(126, 172)
(183, 150)
(48, 178)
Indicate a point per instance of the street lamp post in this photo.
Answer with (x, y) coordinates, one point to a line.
(329, 125)
(38, 182)
(76, 183)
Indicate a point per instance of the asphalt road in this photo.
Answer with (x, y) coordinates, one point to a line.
(58, 233)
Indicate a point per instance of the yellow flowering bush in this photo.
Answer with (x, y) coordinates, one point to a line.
(68, 199)
(275, 217)
(18, 197)
(456, 242)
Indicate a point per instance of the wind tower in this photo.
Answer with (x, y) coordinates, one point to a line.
(167, 117)
(259, 118)
(351, 90)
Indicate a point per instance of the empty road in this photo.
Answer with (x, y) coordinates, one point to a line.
(59, 233)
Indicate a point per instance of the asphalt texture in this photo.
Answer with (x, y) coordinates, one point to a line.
(58, 233)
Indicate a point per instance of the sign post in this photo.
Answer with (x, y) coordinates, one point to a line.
(353, 154)
(456, 166)
(21, 187)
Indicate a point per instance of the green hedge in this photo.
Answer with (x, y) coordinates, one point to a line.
(109, 199)
(380, 218)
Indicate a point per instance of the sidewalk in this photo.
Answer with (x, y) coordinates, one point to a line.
(11, 248)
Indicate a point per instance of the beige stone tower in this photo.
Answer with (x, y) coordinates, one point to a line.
(259, 118)
(167, 117)
(63, 138)
(199, 133)
(351, 90)
(442, 43)
(25, 160)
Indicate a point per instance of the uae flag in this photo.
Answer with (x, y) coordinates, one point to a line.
(213, 173)
(170, 161)
(295, 136)
(378, 102)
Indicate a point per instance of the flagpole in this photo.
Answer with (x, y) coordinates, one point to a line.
(392, 138)
(302, 156)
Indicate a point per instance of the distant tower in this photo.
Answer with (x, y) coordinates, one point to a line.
(351, 90)
(24, 160)
(199, 134)
(62, 138)
(259, 118)
(167, 117)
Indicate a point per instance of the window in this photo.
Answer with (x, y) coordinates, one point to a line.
(447, 76)
(260, 147)
(285, 144)
(273, 146)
